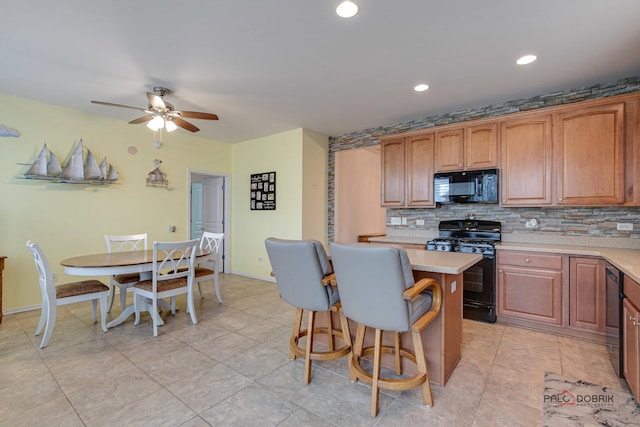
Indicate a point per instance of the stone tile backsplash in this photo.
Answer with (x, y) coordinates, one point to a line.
(554, 222)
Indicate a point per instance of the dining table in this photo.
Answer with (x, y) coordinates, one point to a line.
(109, 264)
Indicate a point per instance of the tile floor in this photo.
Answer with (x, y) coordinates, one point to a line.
(232, 368)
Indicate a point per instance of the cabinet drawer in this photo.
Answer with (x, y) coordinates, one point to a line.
(632, 291)
(527, 259)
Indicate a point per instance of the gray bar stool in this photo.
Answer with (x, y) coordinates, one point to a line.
(303, 275)
(378, 291)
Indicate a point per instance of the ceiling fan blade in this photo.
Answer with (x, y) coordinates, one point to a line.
(144, 119)
(185, 124)
(196, 115)
(109, 104)
(156, 101)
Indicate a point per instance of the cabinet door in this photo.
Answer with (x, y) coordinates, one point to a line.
(631, 346)
(587, 294)
(450, 150)
(526, 161)
(590, 156)
(481, 146)
(529, 293)
(419, 171)
(392, 158)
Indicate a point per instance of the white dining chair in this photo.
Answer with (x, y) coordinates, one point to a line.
(172, 275)
(69, 293)
(122, 243)
(212, 242)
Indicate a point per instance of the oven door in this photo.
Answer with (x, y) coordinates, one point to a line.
(479, 291)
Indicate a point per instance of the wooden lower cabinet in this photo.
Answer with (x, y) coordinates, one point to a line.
(631, 335)
(587, 294)
(530, 286)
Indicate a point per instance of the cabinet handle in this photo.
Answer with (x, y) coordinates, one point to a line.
(560, 199)
(460, 165)
(528, 260)
(468, 164)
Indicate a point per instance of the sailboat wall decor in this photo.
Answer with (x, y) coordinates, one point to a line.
(80, 169)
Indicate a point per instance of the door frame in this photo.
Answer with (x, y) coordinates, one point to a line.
(197, 175)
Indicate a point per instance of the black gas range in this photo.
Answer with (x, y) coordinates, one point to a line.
(479, 282)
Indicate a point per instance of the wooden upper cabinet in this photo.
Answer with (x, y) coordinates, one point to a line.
(481, 146)
(419, 171)
(473, 147)
(392, 158)
(407, 171)
(589, 154)
(525, 175)
(450, 150)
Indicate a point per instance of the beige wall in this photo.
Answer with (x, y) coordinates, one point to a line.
(299, 159)
(68, 220)
(315, 186)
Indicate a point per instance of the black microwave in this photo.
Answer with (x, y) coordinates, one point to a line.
(480, 186)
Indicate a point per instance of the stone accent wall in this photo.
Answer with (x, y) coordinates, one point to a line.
(552, 222)
(558, 221)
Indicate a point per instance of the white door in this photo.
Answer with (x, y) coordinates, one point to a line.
(213, 208)
(213, 205)
(208, 208)
(196, 210)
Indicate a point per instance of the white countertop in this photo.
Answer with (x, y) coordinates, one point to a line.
(441, 262)
(407, 240)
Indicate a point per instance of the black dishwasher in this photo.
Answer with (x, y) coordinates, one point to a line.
(615, 295)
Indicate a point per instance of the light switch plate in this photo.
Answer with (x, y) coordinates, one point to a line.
(454, 286)
(625, 226)
(419, 221)
(396, 220)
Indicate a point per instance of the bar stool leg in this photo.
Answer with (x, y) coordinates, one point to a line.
(422, 368)
(357, 352)
(295, 335)
(398, 346)
(377, 360)
(307, 357)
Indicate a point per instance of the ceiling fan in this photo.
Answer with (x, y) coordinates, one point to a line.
(162, 114)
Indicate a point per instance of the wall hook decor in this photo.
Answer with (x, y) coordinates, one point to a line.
(157, 178)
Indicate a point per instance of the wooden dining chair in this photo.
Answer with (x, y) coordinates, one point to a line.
(377, 291)
(122, 243)
(172, 275)
(69, 293)
(211, 242)
(303, 275)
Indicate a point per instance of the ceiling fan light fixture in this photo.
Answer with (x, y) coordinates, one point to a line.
(156, 123)
(347, 9)
(421, 87)
(170, 126)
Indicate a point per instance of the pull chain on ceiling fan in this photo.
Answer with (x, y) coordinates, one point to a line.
(161, 114)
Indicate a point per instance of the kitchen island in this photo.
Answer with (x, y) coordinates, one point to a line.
(442, 339)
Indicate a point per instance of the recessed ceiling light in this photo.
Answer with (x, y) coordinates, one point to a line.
(347, 9)
(421, 87)
(527, 59)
